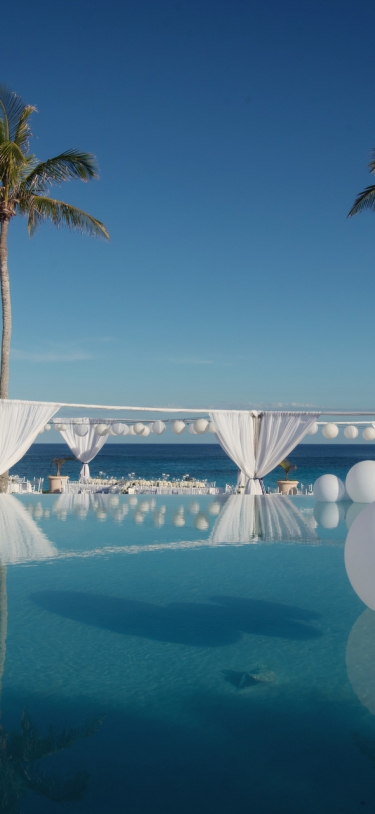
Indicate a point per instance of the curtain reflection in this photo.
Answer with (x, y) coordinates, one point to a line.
(248, 518)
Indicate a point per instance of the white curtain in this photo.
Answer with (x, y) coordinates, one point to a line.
(257, 442)
(20, 422)
(84, 447)
(257, 518)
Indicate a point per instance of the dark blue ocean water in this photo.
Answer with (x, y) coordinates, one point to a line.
(200, 461)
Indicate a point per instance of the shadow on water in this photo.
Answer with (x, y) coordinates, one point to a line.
(198, 624)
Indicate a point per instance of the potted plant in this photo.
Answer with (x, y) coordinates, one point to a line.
(56, 481)
(286, 486)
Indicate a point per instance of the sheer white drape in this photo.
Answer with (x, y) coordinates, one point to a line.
(84, 447)
(257, 442)
(257, 518)
(20, 422)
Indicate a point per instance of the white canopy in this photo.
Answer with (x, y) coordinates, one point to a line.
(84, 447)
(20, 423)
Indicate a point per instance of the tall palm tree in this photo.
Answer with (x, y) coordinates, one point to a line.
(25, 184)
(365, 199)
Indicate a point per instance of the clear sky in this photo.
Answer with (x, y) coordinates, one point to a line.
(232, 137)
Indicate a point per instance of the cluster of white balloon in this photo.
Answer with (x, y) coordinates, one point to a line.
(359, 485)
(198, 427)
(351, 431)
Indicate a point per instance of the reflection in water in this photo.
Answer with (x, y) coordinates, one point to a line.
(329, 515)
(360, 659)
(359, 557)
(353, 511)
(250, 518)
(20, 538)
(19, 773)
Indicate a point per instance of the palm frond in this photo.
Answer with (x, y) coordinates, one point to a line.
(365, 200)
(11, 152)
(62, 214)
(11, 110)
(72, 164)
(23, 131)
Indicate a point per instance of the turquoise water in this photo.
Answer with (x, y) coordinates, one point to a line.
(157, 632)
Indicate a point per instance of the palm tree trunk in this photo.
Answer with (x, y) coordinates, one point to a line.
(7, 315)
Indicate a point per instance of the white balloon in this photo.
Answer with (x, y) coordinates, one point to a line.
(211, 427)
(313, 429)
(47, 427)
(351, 431)
(101, 429)
(368, 433)
(191, 429)
(81, 429)
(330, 430)
(178, 427)
(145, 432)
(132, 430)
(328, 515)
(329, 488)
(200, 425)
(138, 428)
(360, 482)
(359, 556)
(158, 427)
(119, 429)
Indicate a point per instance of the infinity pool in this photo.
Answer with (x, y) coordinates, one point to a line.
(167, 655)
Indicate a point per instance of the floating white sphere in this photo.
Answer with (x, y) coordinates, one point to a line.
(47, 427)
(313, 429)
(359, 555)
(351, 431)
(360, 482)
(328, 515)
(368, 433)
(101, 429)
(119, 429)
(132, 430)
(138, 428)
(145, 432)
(158, 427)
(330, 430)
(178, 427)
(200, 425)
(211, 427)
(192, 430)
(81, 429)
(329, 488)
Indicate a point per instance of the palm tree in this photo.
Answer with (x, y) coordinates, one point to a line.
(365, 199)
(25, 190)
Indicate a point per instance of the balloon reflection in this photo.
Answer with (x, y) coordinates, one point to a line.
(359, 555)
(329, 515)
(360, 659)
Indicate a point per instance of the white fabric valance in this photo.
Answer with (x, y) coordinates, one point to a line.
(20, 423)
(84, 447)
(258, 441)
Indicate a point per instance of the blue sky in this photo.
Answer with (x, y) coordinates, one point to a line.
(232, 138)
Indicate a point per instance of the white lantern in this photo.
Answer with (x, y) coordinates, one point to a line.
(211, 427)
(63, 427)
(57, 427)
(81, 429)
(125, 430)
(330, 430)
(329, 488)
(145, 432)
(313, 429)
(328, 515)
(101, 429)
(138, 428)
(47, 427)
(360, 482)
(132, 430)
(351, 431)
(200, 425)
(178, 427)
(192, 430)
(158, 427)
(368, 433)
(118, 428)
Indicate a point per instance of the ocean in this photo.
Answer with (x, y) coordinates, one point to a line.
(206, 461)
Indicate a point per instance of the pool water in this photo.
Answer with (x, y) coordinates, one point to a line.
(201, 656)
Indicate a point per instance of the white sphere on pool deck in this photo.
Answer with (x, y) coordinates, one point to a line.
(178, 427)
(328, 515)
(118, 428)
(101, 429)
(330, 430)
(200, 425)
(138, 427)
(313, 429)
(158, 427)
(351, 431)
(329, 488)
(368, 433)
(81, 429)
(359, 555)
(145, 432)
(360, 482)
